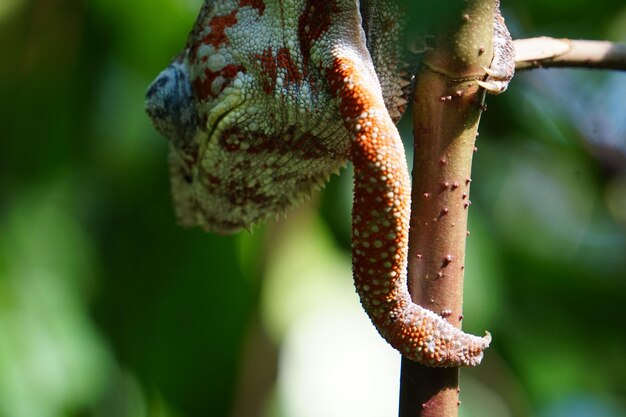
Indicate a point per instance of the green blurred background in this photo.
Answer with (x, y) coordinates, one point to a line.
(107, 308)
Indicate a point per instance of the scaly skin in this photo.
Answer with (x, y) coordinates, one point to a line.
(268, 98)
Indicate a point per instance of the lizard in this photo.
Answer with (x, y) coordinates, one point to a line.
(270, 97)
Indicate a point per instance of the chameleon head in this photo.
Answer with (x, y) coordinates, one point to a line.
(209, 177)
(244, 146)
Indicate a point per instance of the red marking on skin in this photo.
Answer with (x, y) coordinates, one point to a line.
(256, 4)
(353, 102)
(270, 66)
(305, 145)
(214, 180)
(313, 23)
(268, 70)
(217, 36)
(284, 61)
(218, 25)
(202, 86)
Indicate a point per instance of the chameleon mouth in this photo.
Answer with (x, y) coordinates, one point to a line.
(211, 135)
(193, 161)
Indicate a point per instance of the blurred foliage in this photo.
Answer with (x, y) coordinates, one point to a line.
(107, 308)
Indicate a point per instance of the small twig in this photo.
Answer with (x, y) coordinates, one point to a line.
(545, 52)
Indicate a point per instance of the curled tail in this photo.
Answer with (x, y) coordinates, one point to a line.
(380, 221)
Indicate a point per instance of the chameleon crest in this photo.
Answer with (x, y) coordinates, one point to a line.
(266, 100)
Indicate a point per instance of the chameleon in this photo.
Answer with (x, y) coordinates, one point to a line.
(267, 99)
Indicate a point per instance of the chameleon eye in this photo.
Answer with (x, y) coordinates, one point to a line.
(171, 106)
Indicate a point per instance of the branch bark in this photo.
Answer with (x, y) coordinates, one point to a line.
(545, 52)
(446, 112)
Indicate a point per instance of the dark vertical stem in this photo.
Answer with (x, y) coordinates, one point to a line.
(446, 113)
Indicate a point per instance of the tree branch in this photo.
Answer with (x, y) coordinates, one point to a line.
(446, 112)
(545, 52)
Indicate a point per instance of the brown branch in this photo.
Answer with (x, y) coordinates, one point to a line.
(446, 112)
(545, 52)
